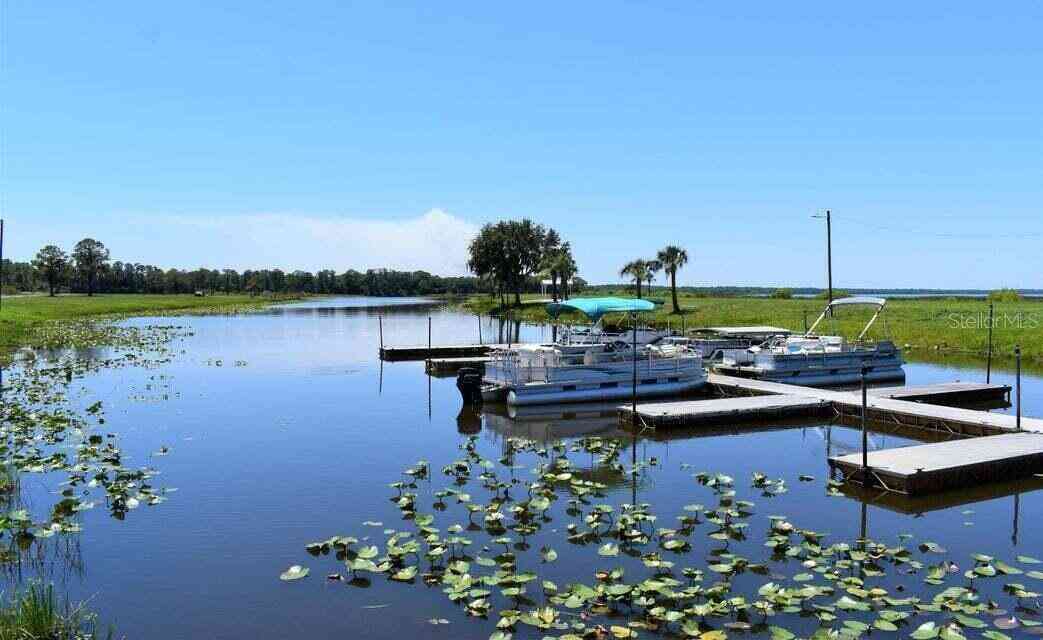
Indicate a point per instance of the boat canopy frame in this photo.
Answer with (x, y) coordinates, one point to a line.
(879, 303)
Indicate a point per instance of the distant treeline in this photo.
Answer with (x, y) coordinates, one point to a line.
(127, 277)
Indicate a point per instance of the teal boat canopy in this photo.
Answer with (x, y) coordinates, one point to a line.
(594, 308)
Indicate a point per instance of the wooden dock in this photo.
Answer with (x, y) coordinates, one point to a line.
(991, 447)
(939, 466)
(399, 354)
(952, 393)
(953, 420)
(449, 366)
(697, 412)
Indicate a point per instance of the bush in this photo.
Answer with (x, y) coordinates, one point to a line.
(36, 613)
(1004, 295)
(837, 294)
(782, 294)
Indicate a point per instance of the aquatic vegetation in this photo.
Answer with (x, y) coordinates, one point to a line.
(710, 571)
(34, 613)
(44, 433)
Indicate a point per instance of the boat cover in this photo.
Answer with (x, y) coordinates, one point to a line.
(594, 308)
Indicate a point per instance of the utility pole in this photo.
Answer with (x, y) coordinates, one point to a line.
(829, 258)
(1, 264)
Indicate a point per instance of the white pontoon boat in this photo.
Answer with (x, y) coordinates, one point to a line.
(818, 360)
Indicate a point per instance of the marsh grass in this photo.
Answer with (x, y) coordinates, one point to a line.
(22, 315)
(35, 613)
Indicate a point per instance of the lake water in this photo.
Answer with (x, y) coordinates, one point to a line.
(283, 428)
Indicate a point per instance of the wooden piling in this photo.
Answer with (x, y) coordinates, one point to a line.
(1017, 383)
(865, 433)
(988, 361)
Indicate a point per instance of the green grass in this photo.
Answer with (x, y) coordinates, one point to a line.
(929, 326)
(21, 315)
(34, 613)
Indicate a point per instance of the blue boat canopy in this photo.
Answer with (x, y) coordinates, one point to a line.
(594, 308)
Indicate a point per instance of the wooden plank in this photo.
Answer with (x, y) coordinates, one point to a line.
(692, 412)
(947, 465)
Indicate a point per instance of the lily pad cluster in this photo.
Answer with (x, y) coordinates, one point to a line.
(649, 575)
(45, 432)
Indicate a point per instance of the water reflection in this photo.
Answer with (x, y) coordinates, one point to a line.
(301, 441)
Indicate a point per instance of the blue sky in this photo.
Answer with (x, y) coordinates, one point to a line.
(361, 135)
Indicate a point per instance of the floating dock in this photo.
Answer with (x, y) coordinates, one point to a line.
(905, 412)
(399, 354)
(988, 446)
(939, 466)
(961, 393)
(449, 366)
(696, 412)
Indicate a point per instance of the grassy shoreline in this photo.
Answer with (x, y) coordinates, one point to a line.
(22, 315)
(922, 326)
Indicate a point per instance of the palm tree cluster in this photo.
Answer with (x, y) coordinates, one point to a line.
(669, 260)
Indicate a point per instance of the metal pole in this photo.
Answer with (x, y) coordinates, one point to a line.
(428, 337)
(829, 258)
(508, 328)
(479, 329)
(805, 321)
(1017, 362)
(1, 264)
(988, 362)
(633, 390)
(380, 329)
(865, 434)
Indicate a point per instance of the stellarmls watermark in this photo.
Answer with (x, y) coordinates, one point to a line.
(980, 320)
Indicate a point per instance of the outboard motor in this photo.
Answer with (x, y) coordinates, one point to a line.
(469, 382)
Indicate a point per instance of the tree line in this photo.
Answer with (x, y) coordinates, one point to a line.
(89, 269)
(511, 255)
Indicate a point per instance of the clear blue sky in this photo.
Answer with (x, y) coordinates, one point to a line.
(382, 134)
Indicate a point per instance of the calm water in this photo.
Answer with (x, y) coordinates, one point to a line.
(295, 436)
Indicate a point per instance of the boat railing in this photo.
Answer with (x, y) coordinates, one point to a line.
(509, 369)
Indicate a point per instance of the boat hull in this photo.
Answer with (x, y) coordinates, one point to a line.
(555, 393)
(813, 378)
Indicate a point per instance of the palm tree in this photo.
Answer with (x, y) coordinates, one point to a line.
(654, 267)
(673, 258)
(638, 272)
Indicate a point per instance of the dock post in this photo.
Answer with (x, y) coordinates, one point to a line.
(428, 337)
(380, 330)
(988, 361)
(1017, 364)
(479, 329)
(865, 433)
(633, 389)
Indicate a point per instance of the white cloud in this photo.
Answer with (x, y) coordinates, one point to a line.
(435, 241)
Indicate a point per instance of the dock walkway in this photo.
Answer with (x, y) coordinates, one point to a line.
(423, 352)
(939, 466)
(696, 412)
(998, 451)
(954, 420)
